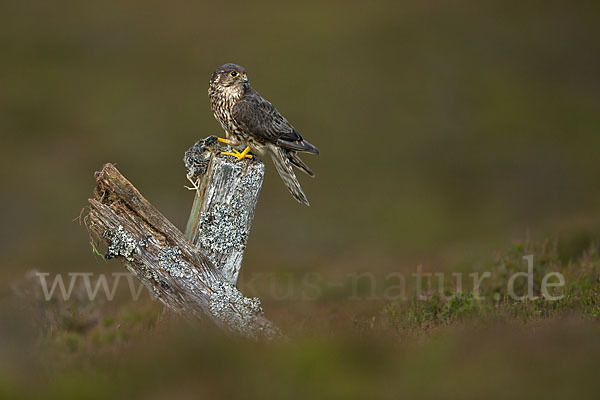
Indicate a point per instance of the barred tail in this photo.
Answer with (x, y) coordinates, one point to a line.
(282, 162)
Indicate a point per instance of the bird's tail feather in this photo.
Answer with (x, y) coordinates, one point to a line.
(297, 161)
(283, 164)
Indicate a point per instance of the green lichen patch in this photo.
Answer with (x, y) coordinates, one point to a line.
(229, 305)
(171, 260)
(121, 243)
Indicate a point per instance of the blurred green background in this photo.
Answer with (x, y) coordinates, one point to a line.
(446, 129)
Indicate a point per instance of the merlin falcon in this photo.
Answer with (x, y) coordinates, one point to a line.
(250, 120)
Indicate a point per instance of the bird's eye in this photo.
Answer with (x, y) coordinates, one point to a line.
(233, 74)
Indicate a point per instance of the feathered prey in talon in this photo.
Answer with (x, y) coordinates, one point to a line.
(249, 119)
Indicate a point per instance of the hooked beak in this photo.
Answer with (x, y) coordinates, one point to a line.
(244, 78)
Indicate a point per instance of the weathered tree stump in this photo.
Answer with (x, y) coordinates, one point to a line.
(223, 210)
(177, 272)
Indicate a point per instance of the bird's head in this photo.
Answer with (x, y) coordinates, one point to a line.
(231, 77)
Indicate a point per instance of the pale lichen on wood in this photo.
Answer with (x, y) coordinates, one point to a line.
(158, 254)
(223, 209)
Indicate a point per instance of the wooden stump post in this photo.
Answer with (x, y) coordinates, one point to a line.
(222, 213)
(177, 272)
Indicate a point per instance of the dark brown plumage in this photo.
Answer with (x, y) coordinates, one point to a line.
(249, 119)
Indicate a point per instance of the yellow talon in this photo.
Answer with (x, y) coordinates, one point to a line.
(222, 140)
(245, 153)
(238, 155)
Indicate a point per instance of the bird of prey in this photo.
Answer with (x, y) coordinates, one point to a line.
(249, 119)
